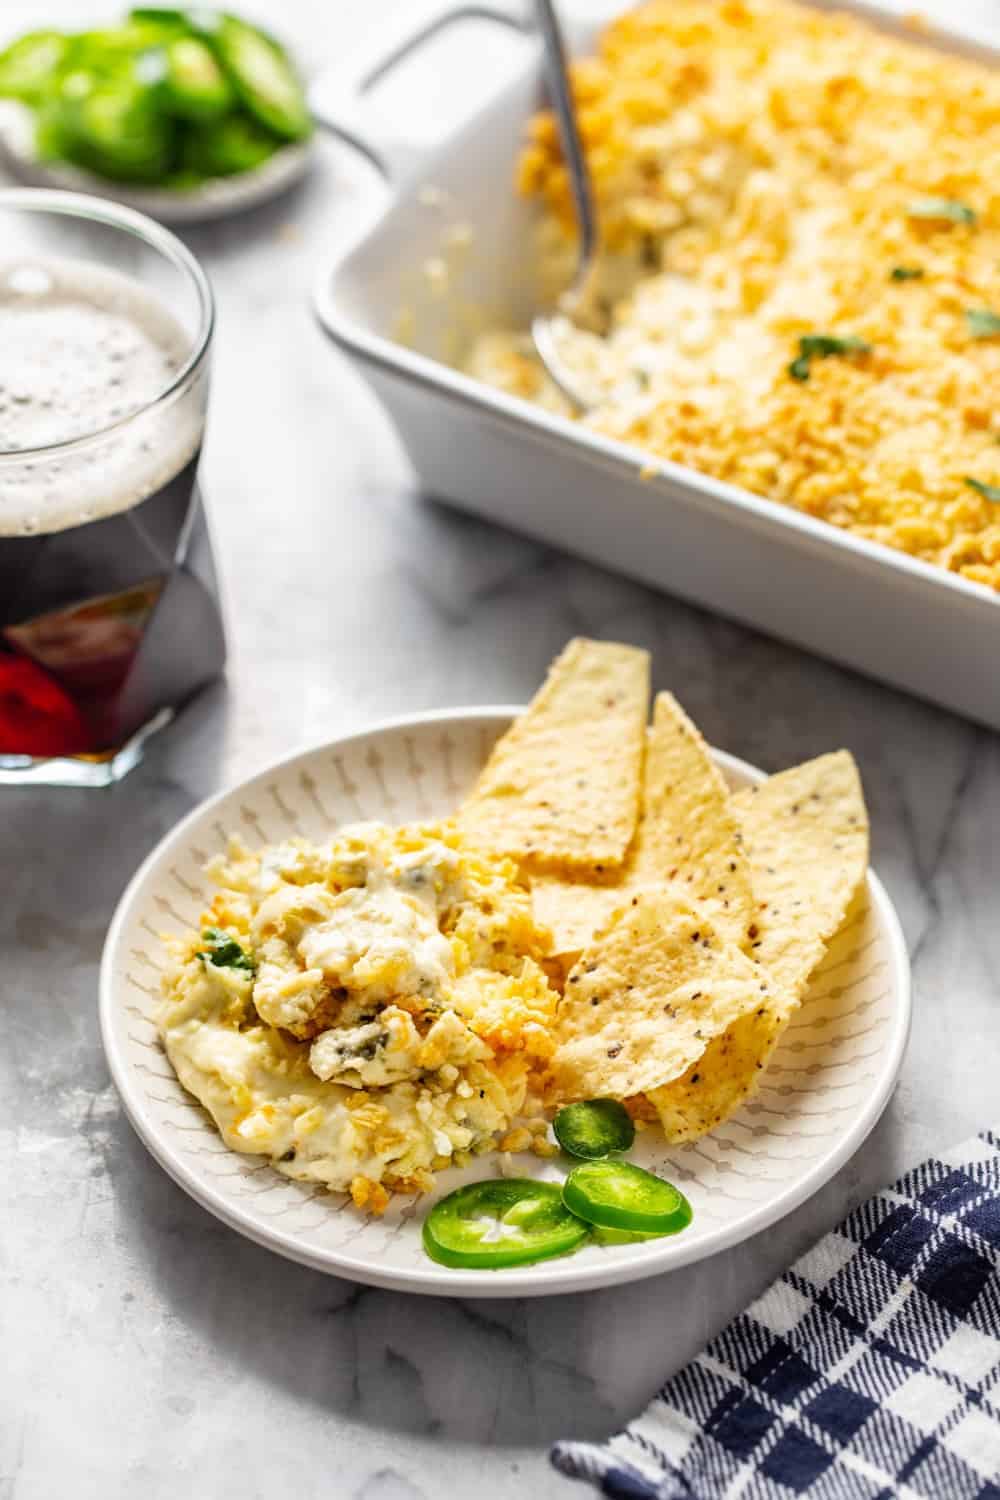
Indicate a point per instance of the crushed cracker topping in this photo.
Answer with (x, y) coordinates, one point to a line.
(763, 167)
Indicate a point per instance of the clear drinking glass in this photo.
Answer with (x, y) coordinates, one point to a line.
(109, 606)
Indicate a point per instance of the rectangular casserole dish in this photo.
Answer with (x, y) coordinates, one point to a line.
(882, 612)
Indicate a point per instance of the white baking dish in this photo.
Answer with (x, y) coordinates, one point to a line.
(867, 606)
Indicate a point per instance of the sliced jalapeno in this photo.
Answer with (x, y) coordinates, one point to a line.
(594, 1128)
(619, 1195)
(504, 1221)
(115, 127)
(262, 76)
(195, 86)
(160, 15)
(221, 147)
(114, 53)
(28, 65)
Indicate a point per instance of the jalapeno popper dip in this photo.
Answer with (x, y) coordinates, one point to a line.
(602, 923)
(365, 1011)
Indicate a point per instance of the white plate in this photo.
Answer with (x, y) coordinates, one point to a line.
(828, 1083)
(215, 199)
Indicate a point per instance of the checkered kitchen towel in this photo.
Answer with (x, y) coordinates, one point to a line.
(870, 1370)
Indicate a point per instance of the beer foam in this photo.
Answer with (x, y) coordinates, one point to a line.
(81, 348)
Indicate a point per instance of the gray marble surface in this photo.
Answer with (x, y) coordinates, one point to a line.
(147, 1350)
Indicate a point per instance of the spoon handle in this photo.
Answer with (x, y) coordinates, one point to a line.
(557, 77)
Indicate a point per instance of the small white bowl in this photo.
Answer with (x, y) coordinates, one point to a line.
(214, 199)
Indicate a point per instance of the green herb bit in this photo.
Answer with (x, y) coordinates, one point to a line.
(988, 491)
(823, 346)
(224, 952)
(906, 273)
(983, 322)
(949, 209)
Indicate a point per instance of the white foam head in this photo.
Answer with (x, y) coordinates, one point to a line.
(83, 348)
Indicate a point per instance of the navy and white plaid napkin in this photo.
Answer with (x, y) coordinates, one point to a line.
(870, 1370)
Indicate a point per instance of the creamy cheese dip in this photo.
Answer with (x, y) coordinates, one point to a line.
(367, 1011)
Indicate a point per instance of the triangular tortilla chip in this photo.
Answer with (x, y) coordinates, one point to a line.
(647, 997)
(806, 834)
(574, 912)
(687, 837)
(723, 1077)
(562, 785)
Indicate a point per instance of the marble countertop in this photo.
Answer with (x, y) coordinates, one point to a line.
(150, 1351)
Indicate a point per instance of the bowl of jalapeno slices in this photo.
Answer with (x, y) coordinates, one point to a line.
(182, 113)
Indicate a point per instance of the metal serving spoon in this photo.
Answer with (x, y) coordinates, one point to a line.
(580, 292)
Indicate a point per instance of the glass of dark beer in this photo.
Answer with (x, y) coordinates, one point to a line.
(109, 610)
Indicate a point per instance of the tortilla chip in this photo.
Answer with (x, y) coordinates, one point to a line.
(726, 1074)
(562, 785)
(687, 837)
(574, 912)
(647, 997)
(806, 835)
